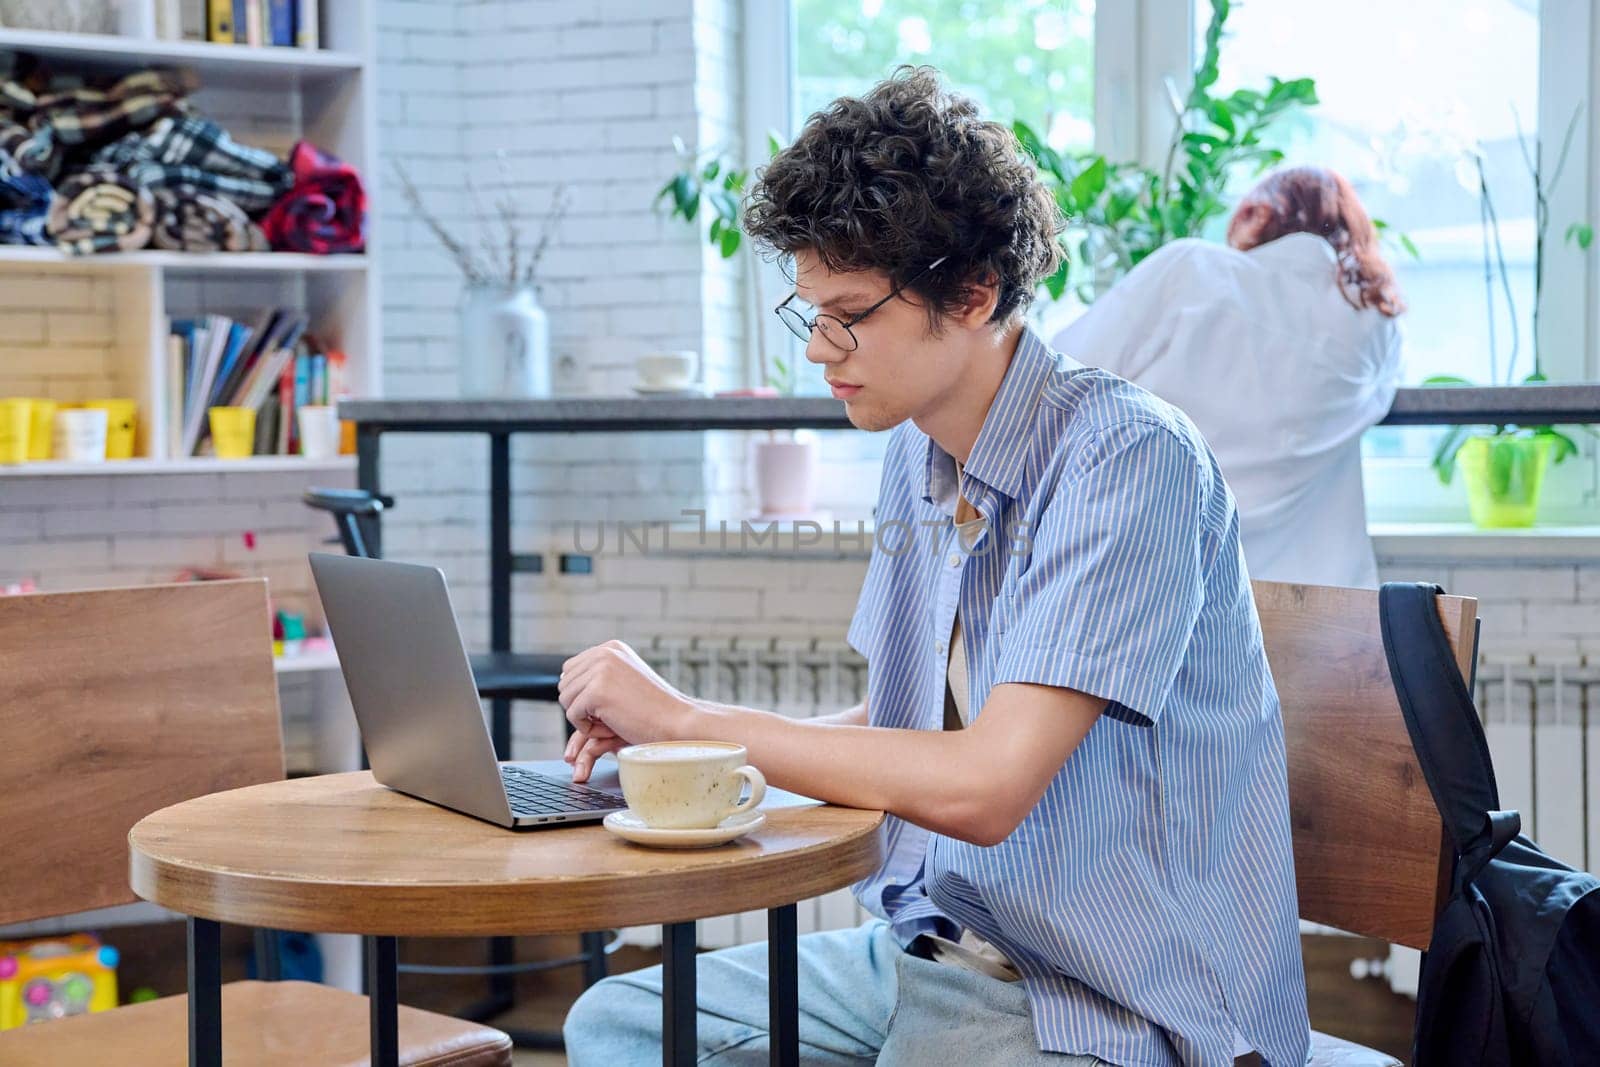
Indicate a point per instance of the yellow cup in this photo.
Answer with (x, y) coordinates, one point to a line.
(16, 425)
(41, 428)
(121, 424)
(233, 432)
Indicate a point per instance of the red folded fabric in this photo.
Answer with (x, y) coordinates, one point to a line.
(324, 212)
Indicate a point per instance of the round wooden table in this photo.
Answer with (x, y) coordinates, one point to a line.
(342, 854)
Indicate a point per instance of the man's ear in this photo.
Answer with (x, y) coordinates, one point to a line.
(977, 301)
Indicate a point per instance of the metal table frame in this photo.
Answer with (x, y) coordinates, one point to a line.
(678, 1026)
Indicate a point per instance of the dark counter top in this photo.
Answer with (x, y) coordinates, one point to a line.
(1525, 404)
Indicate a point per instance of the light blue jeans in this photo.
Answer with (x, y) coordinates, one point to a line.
(862, 1001)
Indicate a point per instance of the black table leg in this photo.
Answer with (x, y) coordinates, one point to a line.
(677, 995)
(502, 986)
(594, 958)
(367, 438)
(783, 985)
(205, 993)
(269, 966)
(383, 1000)
(500, 543)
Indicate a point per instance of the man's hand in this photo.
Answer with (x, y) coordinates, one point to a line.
(614, 699)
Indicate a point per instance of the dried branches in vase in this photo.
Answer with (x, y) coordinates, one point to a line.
(505, 255)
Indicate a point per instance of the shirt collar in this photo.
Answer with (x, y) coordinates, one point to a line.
(998, 456)
(1305, 252)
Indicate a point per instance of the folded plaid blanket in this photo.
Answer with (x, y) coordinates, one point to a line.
(24, 205)
(192, 220)
(45, 132)
(326, 210)
(100, 210)
(187, 150)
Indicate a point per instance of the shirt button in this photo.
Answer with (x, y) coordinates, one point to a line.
(955, 560)
(939, 647)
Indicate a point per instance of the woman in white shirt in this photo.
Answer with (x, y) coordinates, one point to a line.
(1284, 350)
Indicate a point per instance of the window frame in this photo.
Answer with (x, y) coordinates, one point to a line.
(1141, 46)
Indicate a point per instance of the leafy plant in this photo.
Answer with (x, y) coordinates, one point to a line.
(1119, 213)
(1494, 267)
(709, 181)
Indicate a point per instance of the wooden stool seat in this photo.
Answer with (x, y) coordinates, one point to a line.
(264, 1024)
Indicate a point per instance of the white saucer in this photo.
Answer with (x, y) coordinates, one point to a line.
(628, 826)
(686, 389)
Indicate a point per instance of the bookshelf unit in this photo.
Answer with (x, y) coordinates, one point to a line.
(94, 326)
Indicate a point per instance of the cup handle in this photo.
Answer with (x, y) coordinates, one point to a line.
(758, 789)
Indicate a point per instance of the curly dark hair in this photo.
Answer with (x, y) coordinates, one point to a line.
(893, 180)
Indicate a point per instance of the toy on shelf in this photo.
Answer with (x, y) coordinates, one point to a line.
(51, 977)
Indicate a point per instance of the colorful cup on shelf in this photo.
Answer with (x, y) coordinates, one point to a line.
(16, 426)
(121, 424)
(41, 427)
(80, 435)
(233, 432)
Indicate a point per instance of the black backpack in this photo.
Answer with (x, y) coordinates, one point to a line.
(1512, 974)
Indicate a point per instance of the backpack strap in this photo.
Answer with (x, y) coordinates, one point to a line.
(1444, 726)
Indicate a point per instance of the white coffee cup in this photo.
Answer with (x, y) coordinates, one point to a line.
(319, 431)
(688, 785)
(665, 370)
(79, 435)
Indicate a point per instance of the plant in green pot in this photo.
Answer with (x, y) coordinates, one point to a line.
(785, 463)
(1503, 469)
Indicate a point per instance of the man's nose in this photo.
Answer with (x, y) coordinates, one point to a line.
(821, 350)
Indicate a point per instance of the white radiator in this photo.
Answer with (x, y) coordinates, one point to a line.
(1542, 717)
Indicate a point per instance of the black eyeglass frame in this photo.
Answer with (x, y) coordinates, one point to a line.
(797, 324)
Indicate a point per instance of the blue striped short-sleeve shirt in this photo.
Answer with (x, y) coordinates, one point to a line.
(1148, 899)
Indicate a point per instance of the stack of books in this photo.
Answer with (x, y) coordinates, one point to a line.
(267, 364)
(261, 23)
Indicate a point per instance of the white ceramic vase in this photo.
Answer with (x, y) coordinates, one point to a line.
(505, 343)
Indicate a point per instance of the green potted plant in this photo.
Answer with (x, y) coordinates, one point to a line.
(1503, 468)
(1119, 213)
(710, 181)
(785, 463)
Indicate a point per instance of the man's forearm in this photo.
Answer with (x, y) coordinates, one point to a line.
(852, 716)
(927, 777)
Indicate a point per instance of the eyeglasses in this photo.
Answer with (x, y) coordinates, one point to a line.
(837, 331)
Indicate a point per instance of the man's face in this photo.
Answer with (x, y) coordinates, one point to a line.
(899, 369)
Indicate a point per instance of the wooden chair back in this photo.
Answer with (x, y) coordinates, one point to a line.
(116, 703)
(1370, 852)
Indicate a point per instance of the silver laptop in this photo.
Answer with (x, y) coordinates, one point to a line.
(417, 704)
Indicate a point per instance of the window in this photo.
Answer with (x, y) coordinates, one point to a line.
(1411, 96)
(1030, 60)
(1401, 110)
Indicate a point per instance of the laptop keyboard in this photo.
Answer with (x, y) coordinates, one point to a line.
(541, 794)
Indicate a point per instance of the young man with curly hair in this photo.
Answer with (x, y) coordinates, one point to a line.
(1069, 715)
